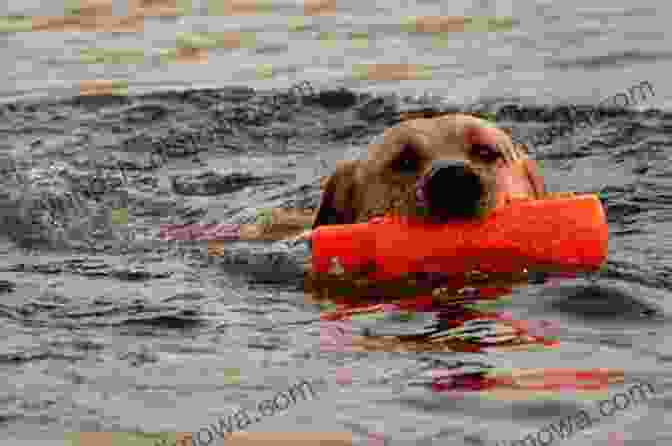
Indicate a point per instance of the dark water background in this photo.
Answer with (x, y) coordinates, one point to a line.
(142, 341)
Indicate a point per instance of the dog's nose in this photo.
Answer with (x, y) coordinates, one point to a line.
(451, 189)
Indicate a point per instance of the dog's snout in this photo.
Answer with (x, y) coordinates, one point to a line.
(451, 189)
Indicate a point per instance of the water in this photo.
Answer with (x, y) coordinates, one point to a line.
(146, 340)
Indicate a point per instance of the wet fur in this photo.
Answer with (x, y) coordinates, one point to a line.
(361, 189)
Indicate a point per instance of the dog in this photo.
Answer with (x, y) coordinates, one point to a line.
(464, 167)
(445, 167)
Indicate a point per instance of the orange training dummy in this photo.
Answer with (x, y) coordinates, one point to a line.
(554, 234)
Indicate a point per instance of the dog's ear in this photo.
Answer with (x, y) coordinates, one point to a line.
(336, 207)
(535, 178)
(532, 170)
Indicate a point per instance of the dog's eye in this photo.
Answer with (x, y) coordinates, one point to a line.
(407, 162)
(485, 152)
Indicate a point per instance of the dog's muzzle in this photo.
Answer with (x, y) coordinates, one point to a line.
(451, 189)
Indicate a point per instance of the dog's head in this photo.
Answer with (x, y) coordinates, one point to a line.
(452, 166)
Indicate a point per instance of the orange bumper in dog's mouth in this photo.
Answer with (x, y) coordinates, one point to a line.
(559, 234)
